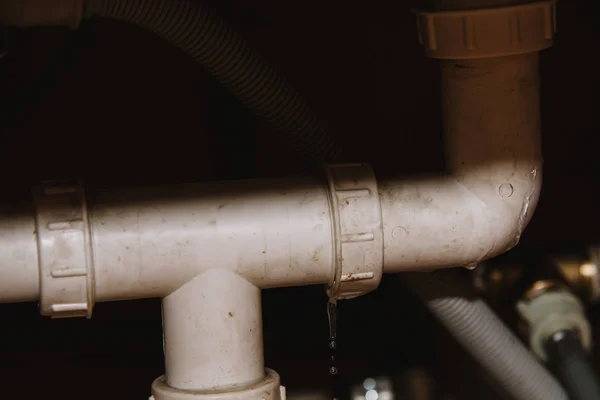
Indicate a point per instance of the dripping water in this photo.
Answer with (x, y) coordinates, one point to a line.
(333, 369)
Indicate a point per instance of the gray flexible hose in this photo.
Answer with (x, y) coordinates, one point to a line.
(216, 47)
(477, 328)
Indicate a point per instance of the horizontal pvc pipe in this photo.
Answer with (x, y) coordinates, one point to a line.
(19, 272)
(213, 333)
(149, 242)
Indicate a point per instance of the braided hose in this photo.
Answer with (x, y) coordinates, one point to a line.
(215, 46)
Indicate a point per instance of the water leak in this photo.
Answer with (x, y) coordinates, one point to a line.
(332, 315)
(333, 369)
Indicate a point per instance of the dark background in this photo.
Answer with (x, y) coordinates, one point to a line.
(122, 107)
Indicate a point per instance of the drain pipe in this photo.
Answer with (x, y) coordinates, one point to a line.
(213, 334)
(490, 92)
(343, 231)
(494, 163)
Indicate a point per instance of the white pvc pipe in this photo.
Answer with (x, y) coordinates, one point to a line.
(149, 242)
(213, 333)
(493, 153)
(274, 233)
(18, 256)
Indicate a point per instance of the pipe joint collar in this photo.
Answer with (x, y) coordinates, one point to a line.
(357, 230)
(64, 251)
(267, 389)
(489, 32)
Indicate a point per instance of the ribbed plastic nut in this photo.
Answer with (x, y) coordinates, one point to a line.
(484, 33)
(64, 250)
(267, 389)
(357, 230)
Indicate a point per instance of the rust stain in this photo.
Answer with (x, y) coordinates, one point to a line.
(230, 314)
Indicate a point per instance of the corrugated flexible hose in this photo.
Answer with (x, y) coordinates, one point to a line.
(216, 47)
(483, 335)
(221, 52)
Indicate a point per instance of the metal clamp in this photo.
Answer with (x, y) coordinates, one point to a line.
(357, 230)
(65, 251)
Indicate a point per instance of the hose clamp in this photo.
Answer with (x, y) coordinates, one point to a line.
(357, 230)
(64, 250)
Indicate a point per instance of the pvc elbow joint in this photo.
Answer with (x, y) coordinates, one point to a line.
(510, 200)
(455, 221)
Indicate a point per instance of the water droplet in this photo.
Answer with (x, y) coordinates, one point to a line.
(333, 370)
(471, 266)
(332, 315)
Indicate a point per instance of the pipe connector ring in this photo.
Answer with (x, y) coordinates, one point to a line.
(64, 251)
(357, 230)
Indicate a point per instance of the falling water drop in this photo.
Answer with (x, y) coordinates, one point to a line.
(333, 369)
(332, 315)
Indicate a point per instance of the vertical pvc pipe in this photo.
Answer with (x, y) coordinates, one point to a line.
(213, 333)
(492, 129)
